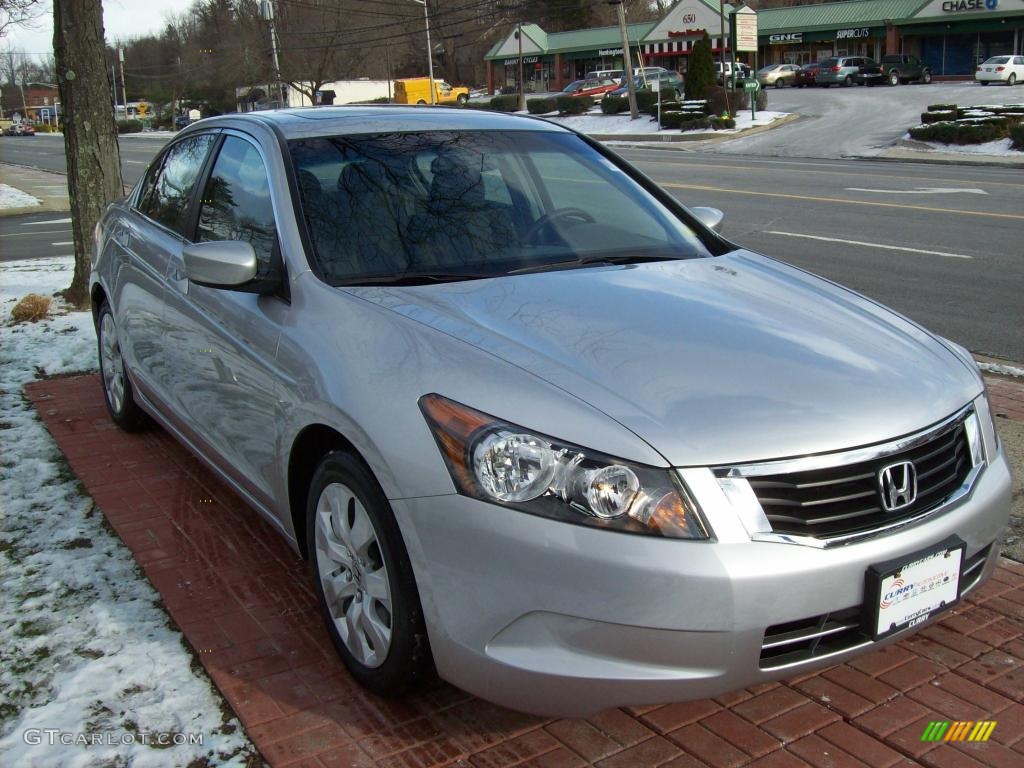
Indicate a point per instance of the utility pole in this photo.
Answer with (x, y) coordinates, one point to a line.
(113, 90)
(627, 60)
(721, 40)
(267, 9)
(124, 89)
(430, 52)
(522, 88)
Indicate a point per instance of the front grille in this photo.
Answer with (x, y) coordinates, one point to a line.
(839, 501)
(818, 636)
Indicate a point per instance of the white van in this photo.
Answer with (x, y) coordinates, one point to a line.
(601, 74)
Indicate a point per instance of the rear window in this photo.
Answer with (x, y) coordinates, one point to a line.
(892, 59)
(829, 62)
(999, 60)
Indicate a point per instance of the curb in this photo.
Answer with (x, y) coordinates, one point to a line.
(676, 138)
(914, 151)
(48, 187)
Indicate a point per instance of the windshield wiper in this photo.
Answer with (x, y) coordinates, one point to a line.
(593, 258)
(412, 278)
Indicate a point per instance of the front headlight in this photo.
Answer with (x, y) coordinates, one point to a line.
(498, 462)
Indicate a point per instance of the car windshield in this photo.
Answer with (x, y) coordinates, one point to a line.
(468, 204)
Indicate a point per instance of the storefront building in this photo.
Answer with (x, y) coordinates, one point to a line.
(951, 36)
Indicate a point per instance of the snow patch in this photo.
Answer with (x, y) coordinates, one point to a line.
(1004, 370)
(11, 197)
(84, 644)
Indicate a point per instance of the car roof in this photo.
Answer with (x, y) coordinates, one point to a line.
(308, 122)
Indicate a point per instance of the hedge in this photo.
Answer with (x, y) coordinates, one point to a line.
(942, 107)
(959, 133)
(1017, 136)
(505, 103)
(644, 99)
(129, 126)
(484, 104)
(938, 116)
(541, 106)
(683, 121)
(613, 105)
(573, 105)
(44, 128)
(668, 94)
(719, 123)
(668, 106)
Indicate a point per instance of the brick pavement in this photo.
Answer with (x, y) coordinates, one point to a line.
(242, 597)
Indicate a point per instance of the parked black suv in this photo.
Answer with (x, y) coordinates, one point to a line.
(897, 68)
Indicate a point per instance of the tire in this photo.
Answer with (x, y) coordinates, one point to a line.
(847, 81)
(462, 99)
(117, 387)
(779, 83)
(894, 79)
(926, 77)
(1012, 79)
(421, 102)
(984, 82)
(355, 548)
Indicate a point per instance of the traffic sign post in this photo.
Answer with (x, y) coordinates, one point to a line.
(752, 87)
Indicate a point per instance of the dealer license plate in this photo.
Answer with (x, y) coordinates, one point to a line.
(904, 593)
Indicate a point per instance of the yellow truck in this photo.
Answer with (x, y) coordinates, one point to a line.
(416, 90)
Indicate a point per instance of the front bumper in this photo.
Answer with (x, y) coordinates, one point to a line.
(562, 620)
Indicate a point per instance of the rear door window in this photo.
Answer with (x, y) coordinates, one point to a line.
(168, 202)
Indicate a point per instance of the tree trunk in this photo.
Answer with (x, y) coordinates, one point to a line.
(90, 133)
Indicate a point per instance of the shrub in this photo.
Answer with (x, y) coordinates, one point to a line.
(942, 107)
(507, 89)
(668, 94)
(667, 106)
(573, 105)
(695, 124)
(613, 105)
(1017, 136)
(683, 121)
(721, 102)
(43, 128)
(718, 123)
(31, 308)
(129, 126)
(644, 99)
(959, 132)
(700, 73)
(671, 119)
(540, 106)
(505, 103)
(762, 100)
(938, 116)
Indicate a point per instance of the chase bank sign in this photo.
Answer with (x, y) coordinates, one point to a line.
(960, 6)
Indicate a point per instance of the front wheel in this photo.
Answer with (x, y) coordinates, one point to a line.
(363, 578)
(117, 388)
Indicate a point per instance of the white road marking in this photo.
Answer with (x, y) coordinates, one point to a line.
(36, 233)
(871, 245)
(46, 221)
(68, 242)
(921, 191)
(137, 162)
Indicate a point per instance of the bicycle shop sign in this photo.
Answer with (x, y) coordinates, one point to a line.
(526, 60)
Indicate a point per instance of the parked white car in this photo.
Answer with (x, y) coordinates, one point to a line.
(1001, 69)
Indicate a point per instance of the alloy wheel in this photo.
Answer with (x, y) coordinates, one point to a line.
(353, 575)
(111, 364)
(1012, 79)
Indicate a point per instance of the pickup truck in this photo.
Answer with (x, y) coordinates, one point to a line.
(896, 68)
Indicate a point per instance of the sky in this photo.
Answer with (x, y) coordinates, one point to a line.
(121, 19)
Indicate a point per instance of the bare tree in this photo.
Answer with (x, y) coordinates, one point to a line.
(90, 135)
(16, 12)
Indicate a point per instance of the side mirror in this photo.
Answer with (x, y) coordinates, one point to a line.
(220, 264)
(710, 217)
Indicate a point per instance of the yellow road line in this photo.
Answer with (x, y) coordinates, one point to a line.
(837, 172)
(846, 201)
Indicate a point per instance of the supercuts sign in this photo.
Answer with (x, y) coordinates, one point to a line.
(959, 6)
(784, 39)
(848, 34)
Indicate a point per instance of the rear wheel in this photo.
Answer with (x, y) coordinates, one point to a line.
(1012, 79)
(462, 99)
(117, 389)
(421, 101)
(779, 83)
(926, 77)
(848, 81)
(984, 82)
(894, 78)
(363, 578)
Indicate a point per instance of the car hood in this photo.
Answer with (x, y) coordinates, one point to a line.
(712, 361)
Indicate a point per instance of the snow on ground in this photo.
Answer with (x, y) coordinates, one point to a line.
(998, 148)
(1005, 370)
(85, 646)
(11, 197)
(599, 124)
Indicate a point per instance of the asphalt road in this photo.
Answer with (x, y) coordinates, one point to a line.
(47, 152)
(942, 244)
(35, 234)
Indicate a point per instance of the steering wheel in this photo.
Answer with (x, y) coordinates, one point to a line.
(559, 213)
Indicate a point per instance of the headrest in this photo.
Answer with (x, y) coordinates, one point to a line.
(308, 182)
(457, 179)
(365, 178)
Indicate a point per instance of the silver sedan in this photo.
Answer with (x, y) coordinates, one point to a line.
(532, 421)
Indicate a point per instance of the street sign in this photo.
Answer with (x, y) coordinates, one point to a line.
(751, 85)
(746, 29)
(44, 114)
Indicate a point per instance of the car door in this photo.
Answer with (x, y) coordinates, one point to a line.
(146, 238)
(224, 342)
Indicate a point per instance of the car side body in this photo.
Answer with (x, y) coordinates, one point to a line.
(842, 70)
(897, 68)
(1001, 69)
